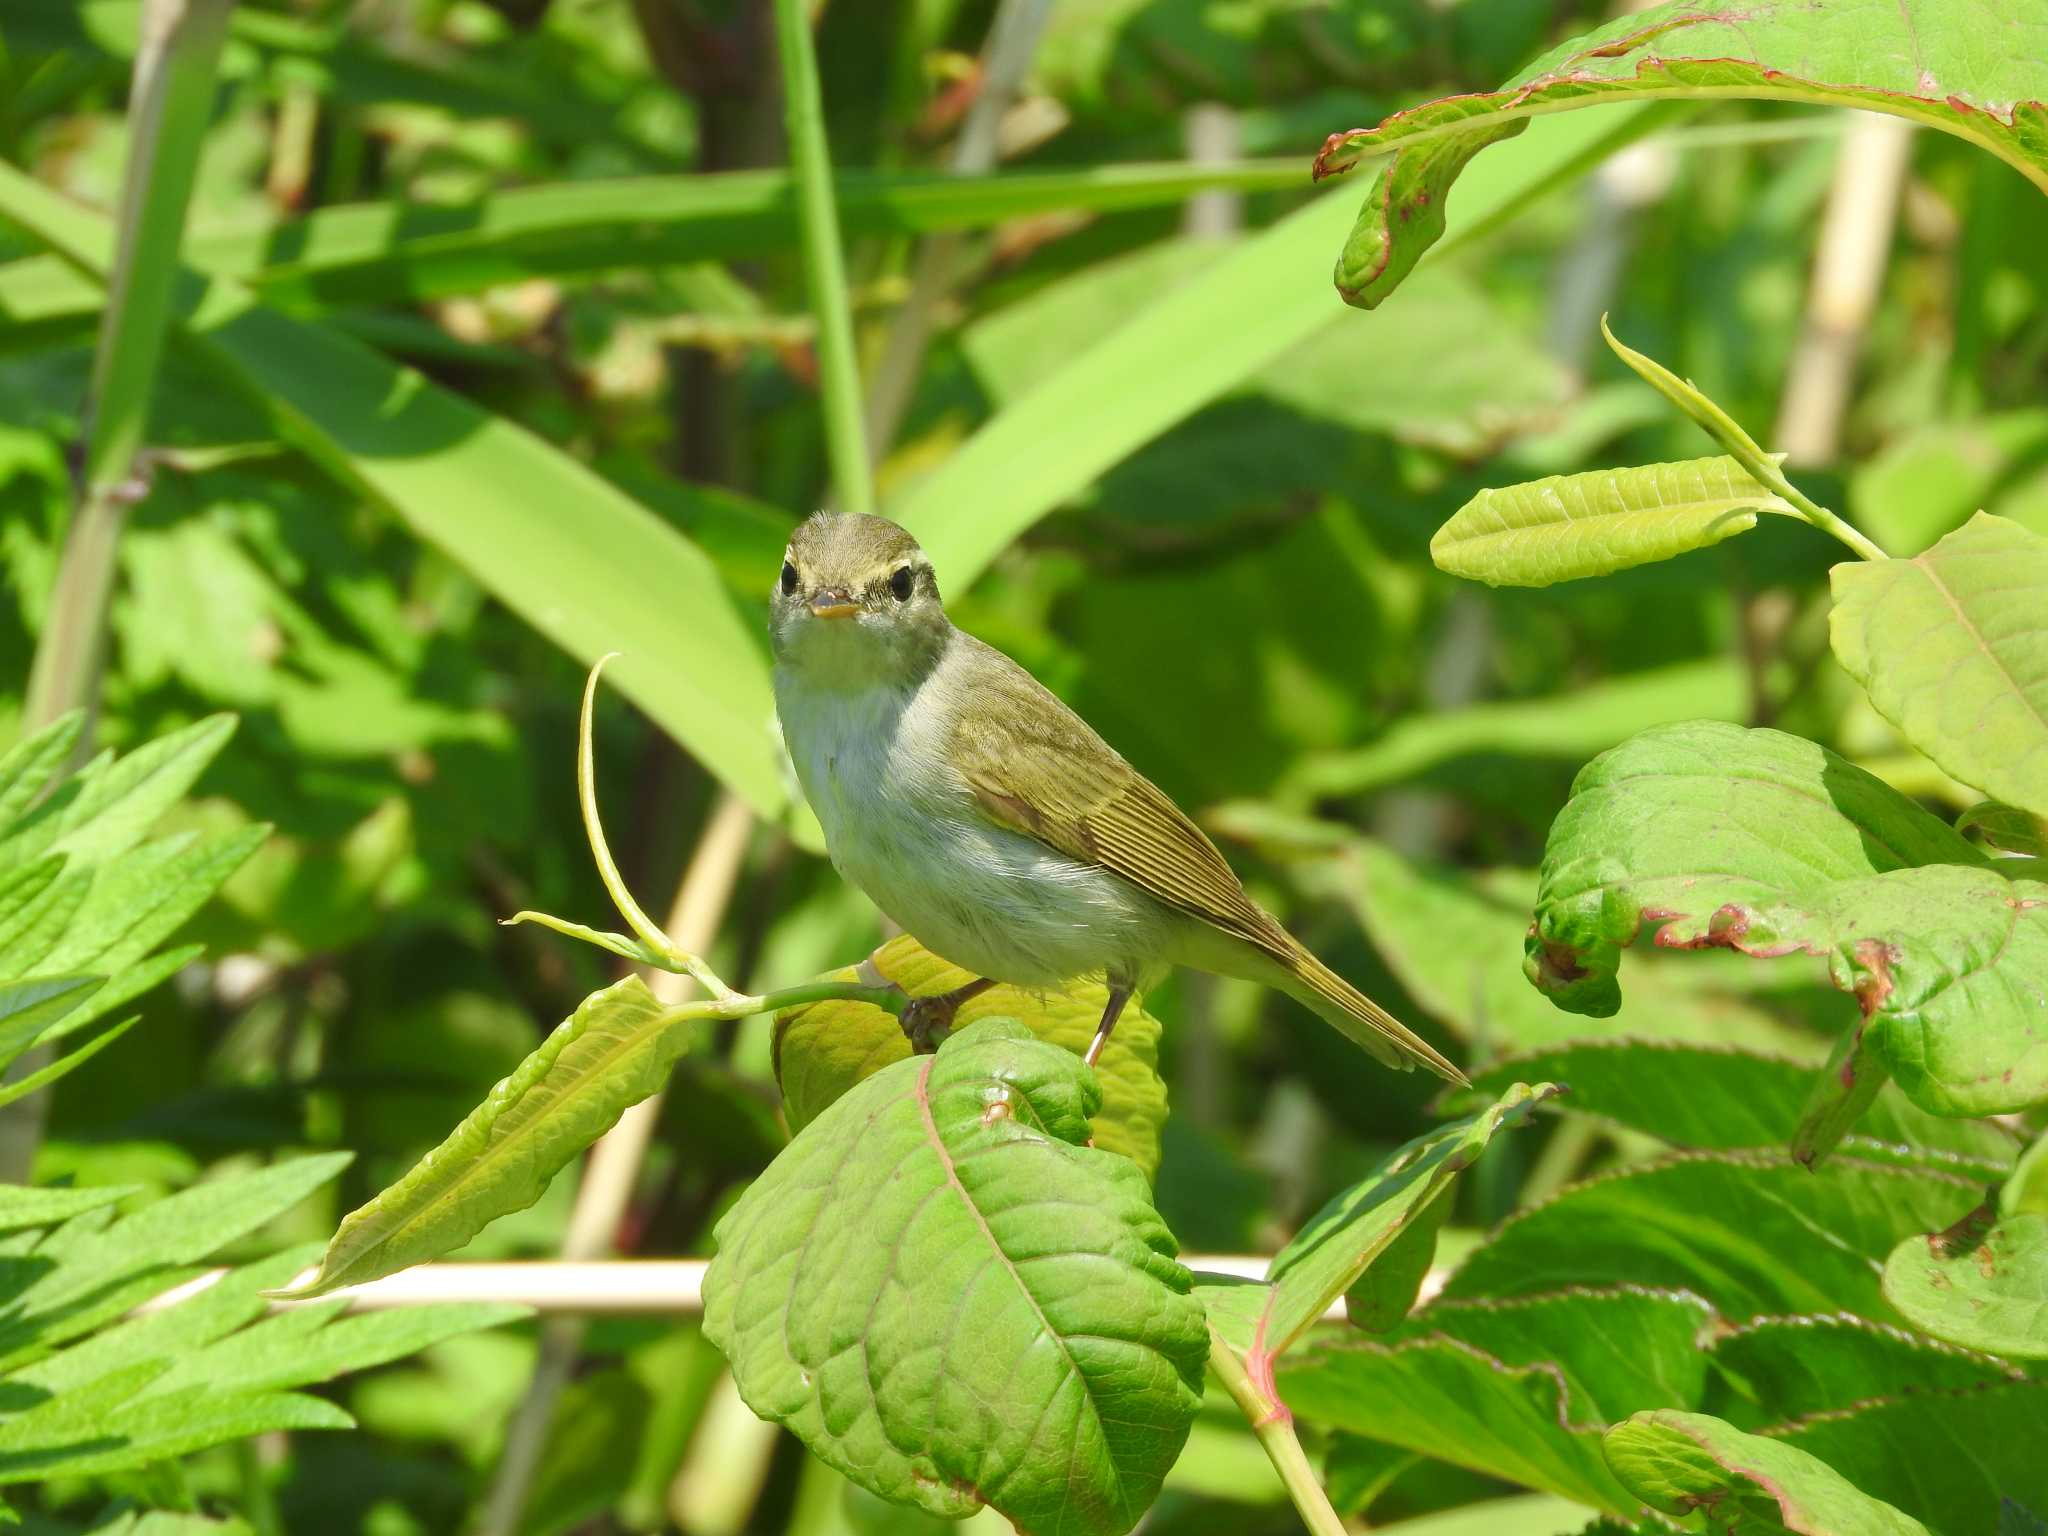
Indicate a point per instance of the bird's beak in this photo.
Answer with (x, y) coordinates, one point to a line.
(833, 603)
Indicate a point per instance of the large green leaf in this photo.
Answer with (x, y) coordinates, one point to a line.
(1946, 1458)
(1754, 1234)
(1563, 527)
(1183, 350)
(1983, 1284)
(1519, 1389)
(607, 1056)
(1337, 1244)
(1763, 843)
(823, 1049)
(954, 1302)
(1704, 1098)
(1778, 1368)
(1681, 1463)
(490, 493)
(1952, 648)
(1928, 64)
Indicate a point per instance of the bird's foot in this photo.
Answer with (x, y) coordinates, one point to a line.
(927, 1021)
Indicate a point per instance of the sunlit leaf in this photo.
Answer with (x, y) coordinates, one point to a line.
(1982, 1283)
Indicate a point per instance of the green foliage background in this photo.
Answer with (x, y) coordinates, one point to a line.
(453, 387)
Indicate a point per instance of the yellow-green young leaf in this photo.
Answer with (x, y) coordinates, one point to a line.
(1684, 1462)
(955, 1303)
(1981, 1283)
(1563, 527)
(608, 1055)
(823, 1049)
(1974, 68)
(1953, 647)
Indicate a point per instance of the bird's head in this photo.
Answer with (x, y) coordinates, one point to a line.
(856, 603)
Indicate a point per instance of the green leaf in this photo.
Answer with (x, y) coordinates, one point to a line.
(1385, 1292)
(1691, 826)
(1951, 646)
(28, 1008)
(1755, 1234)
(372, 253)
(33, 763)
(1219, 328)
(1926, 67)
(2005, 827)
(1519, 1389)
(1064, 1370)
(64, 1065)
(1455, 939)
(1680, 1463)
(1707, 1098)
(118, 801)
(1981, 1283)
(1563, 527)
(1336, 1245)
(489, 494)
(612, 1052)
(1779, 1368)
(822, 1049)
(1946, 1458)
(20, 1207)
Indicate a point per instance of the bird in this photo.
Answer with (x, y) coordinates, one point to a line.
(989, 821)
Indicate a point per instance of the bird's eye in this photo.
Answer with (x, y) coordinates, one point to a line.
(788, 577)
(899, 584)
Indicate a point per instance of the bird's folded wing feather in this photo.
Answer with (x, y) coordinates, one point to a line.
(1035, 766)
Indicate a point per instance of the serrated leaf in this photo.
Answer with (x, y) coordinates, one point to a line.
(28, 1008)
(1755, 1234)
(1705, 1098)
(1923, 65)
(1945, 1458)
(1564, 527)
(1983, 1284)
(109, 1429)
(1065, 1365)
(822, 1049)
(1519, 1390)
(1680, 1463)
(1778, 1368)
(66, 1064)
(1953, 648)
(1357, 1226)
(143, 898)
(612, 1052)
(118, 804)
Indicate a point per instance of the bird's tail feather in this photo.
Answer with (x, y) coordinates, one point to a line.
(1321, 989)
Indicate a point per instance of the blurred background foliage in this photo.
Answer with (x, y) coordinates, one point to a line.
(1244, 605)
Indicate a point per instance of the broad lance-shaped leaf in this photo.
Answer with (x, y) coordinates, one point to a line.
(1329, 1253)
(1953, 647)
(823, 1049)
(1681, 1463)
(1936, 64)
(1982, 1283)
(607, 1056)
(1563, 527)
(954, 1302)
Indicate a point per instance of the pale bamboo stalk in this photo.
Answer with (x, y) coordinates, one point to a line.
(1848, 269)
(613, 1166)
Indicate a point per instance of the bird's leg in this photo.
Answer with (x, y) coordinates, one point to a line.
(1118, 996)
(928, 1020)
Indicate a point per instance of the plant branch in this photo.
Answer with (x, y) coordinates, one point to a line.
(1274, 1426)
(1725, 430)
(810, 159)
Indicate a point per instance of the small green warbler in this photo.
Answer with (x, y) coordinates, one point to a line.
(984, 816)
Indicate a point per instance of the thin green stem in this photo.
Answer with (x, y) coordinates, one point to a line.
(1744, 449)
(810, 159)
(1274, 1426)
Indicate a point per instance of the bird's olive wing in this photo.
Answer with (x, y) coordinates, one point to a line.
(1034, 766)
